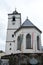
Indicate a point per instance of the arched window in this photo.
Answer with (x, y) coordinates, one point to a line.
(38, 42)
(28, 41)
(18, 43)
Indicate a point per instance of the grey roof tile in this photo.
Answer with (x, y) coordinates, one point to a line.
(27, 22)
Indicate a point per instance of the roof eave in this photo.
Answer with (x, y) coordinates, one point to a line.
(27, 27)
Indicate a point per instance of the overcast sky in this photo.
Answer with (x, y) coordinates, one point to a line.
(31, 8)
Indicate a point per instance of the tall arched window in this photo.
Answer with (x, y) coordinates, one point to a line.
(38, 42)
(28, 41)
(18, 43)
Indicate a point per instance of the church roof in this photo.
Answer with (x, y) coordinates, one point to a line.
(28, 24)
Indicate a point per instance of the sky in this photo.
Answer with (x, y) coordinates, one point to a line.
(31, 8)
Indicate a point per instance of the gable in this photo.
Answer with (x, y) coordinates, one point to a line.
(27, 24)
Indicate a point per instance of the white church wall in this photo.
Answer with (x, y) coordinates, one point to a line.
(10, 16)
(9, 35)
(24, 32)
(10, 22)
(37, 33)
(29, 31)
(33, 32)
(10, 31)
(16, 36)
(15, 25)
(12, 46)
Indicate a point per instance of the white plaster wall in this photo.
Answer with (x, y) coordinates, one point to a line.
(9, 35)
(25, 31)
(10, 30)
(12, 46)
(23, 46)
(17, 22)
(10, 16)
(37, 33)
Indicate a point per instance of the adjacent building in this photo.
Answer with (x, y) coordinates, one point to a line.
(2, 53)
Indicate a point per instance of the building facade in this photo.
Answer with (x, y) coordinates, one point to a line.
(25, 38)
(2, 53)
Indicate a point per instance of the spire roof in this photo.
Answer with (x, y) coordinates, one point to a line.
(27, 22)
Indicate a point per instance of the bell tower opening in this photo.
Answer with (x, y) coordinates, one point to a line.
(13, 18)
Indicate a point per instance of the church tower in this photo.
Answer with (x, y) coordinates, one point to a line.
(14, 22)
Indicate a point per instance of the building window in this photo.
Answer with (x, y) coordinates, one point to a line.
(13, 23)
(13, 40)
(10, 49)
(28, 41)
(13, 18)
(18, 43)
(12, 35)
(10, 43)
(38, 42)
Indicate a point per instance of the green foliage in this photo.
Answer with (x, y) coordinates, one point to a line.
(13, 60)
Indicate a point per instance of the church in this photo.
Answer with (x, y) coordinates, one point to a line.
(25, 38)
(23, 41)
